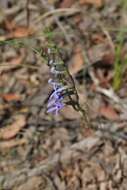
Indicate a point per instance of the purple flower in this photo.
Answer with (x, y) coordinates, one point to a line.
(56, 103)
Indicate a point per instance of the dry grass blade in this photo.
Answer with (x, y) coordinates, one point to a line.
(61, 12)
(12, 143)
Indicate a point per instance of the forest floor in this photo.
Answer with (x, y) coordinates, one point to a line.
(42, 151)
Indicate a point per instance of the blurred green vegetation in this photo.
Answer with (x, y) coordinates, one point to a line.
(119, 61)
(124, 4)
